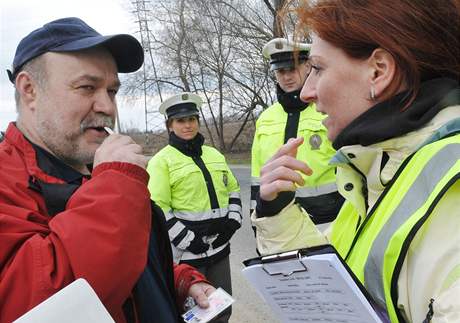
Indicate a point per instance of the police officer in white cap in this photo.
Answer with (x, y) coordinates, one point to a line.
(290, 117)
(198, 193)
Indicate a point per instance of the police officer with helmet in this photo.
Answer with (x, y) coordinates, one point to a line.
(287, 118)
(197, 192)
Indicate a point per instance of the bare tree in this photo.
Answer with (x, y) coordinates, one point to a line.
(212, 48)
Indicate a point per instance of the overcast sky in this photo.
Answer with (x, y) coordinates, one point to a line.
(19, 17)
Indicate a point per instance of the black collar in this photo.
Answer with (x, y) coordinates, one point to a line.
(55, 167)
(190, 147)
(55, 195)
(290, 101)
(387, 119)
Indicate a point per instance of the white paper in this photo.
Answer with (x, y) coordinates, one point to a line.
(325, 292)
(219, 300)
(75, 303)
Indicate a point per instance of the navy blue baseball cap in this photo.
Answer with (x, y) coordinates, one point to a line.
(71, 35)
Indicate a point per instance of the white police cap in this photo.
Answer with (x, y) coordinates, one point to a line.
(181, 105)
(280, 51)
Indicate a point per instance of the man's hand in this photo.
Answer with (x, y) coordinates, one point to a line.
(280, 173)
(200, 292)
(120, 148)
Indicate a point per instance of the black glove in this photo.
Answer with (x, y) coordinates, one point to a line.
(197, 246)
(229, 228)
(217, 227)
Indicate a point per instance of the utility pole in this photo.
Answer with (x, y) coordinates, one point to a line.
(142, 19)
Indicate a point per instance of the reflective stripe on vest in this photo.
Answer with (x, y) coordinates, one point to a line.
(316, 191)
(187, 255)
(380, 245)
(415, 198)
(306, 191)
(197, 216)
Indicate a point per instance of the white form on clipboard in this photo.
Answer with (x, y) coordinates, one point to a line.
(310, 285)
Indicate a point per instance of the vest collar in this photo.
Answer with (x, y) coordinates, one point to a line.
(370, 168)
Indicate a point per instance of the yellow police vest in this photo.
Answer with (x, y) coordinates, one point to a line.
(178, 186)
(316, 150)
(183, 182)
(375, 248)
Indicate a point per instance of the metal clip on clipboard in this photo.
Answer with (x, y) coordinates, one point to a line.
(284, 264)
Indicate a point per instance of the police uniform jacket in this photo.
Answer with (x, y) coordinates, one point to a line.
(194, 186)
(290, 118)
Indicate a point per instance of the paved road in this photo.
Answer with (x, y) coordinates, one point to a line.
(249, 307)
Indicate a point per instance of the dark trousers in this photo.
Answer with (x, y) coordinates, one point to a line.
(218, 274)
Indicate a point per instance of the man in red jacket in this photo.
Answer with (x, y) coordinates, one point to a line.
(73, 199)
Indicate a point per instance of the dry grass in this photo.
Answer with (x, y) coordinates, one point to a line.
(240, 153)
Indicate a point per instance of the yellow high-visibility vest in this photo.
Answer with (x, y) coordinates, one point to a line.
(375, 246)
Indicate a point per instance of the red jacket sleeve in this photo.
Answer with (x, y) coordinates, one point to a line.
(184, 277)
(102, 236)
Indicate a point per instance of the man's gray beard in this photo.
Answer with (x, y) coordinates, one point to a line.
(65, 146)
(72, 155)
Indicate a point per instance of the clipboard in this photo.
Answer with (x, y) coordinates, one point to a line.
(311, 285)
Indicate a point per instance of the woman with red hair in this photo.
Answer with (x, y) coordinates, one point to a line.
(386, 74)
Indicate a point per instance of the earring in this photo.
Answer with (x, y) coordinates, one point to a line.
(372, 92)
